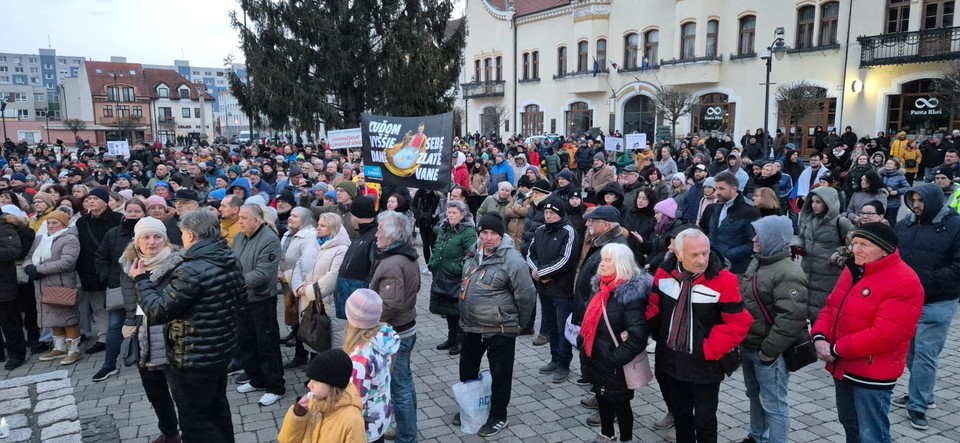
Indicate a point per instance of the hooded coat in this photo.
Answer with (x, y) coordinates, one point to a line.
(344, 422)
(641, 221)
(895, 181)
(930, 244)
(317, 271)
(619, 202)
(820, 236)
(371, 376)
(519, 165)
(396, 277)
(242, 183)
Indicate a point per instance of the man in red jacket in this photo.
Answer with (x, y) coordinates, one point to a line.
(697, 317)
(864, 331)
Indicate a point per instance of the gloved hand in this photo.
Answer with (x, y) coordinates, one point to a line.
(31, 270)
(128, 331)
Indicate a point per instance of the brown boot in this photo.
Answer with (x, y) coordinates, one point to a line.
(73, 352)
(59, 349)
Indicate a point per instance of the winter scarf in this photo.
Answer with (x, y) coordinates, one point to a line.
(44, 249)
(680, 334)
(591, 319)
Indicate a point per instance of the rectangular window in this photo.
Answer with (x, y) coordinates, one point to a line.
(713, 27)
(62, 61)
(488, 69)
(476, 71)
(163, 92)
(108, 111)
(23, 113)
(196, 112)
(18, 69)
(77, 62)
(138, 112)
(651, 48)
(39, 113)
(583, 58)
(34, 70)
(32, 60)
(185, 112)
(46, 65)
(113, 93)
(805, 20)
(688, 41)
(4, 78)
(123, 111)
(39, 98)
(535, 65)
(128, 95)
(898, 16)
(499, 68)
(219, 73)
(184, 94)
(3, 58)
(748, 32)
(165, 112)
(20, 97)
(526, 66)
(602, 53)
(829, 13)
(561, 61)
(4, 69)
(48, 76)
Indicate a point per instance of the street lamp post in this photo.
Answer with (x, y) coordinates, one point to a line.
(46, 116)
(116, 90)
(776, 49)
(3, 116)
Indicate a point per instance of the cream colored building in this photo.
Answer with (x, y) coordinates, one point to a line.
(872, 61)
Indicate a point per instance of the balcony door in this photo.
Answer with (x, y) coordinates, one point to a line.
(937, 14)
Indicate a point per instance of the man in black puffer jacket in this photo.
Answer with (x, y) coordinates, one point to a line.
(199, 309)
(11, 323)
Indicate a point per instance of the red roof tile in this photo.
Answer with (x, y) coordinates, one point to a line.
(174, 81)
(144, 80)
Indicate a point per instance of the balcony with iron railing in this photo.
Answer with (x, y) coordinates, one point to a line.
(929, 45)
(483, 89)
(693, 70)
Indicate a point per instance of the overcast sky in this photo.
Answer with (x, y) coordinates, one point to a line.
(144, 31)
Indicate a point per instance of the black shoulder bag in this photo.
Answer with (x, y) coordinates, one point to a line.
(801, 353)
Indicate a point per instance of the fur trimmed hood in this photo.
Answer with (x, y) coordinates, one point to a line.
(632, 290)
(130, 255)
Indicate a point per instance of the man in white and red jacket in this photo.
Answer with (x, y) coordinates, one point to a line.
(697, 317)
(864, 331)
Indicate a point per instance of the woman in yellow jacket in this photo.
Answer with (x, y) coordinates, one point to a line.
(911, 156)
(898, 144)
(43, 206)
(331, 411)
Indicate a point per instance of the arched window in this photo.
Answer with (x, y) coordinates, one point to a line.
(499, 75)
(748, 32)
(639, 114)
(579, 118)
(476, 71)
(805, 20)
(535, 65)
(688, 41)
(713, 26)
(631, 44)
(602, 53)
(487, 69)
(526, 66)
(531, 120)
(829, 13)
(651, 47)
(583, 62)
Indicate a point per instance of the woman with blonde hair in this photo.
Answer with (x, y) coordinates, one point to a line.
(301, 235)
(330, 412)
(314, 277)
(371, 345)
(613, 332)
(767, 201)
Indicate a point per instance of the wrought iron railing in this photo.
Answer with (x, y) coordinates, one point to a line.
(679, 61)
(929, 45)
(483, 89)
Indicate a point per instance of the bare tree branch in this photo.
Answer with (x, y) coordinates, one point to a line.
(673, 103)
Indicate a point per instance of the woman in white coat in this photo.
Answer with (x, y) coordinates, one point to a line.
(301, 235)
(315, 275)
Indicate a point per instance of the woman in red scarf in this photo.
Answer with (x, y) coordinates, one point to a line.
(621, 291)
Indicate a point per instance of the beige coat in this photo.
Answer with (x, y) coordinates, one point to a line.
(58, 270)
(316, 271)
(595, 179)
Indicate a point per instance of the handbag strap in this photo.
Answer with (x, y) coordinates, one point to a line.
(763, 309)
(609, 328)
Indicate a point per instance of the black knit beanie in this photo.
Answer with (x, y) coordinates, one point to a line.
(332, 367)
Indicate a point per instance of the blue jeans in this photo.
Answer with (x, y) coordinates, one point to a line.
(555, 312)
(403, 393)
(863, 412)
(767, 390)
(925, 350)
(114, 338)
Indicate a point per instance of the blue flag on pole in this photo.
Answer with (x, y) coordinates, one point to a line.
(645, 63)
(596, 67)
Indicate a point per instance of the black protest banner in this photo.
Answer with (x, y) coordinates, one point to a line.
(414, 152)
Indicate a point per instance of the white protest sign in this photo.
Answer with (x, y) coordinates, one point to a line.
(345, 138)
(636, 142)
(613, 144)
(119, 148)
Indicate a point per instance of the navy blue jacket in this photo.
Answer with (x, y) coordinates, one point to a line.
(930, 244)
(733, 239)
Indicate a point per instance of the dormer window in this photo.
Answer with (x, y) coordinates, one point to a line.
(163, 91)
(184, 94)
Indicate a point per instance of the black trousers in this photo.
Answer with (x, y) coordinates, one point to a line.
(201, 397)
(619, 410)
(27, 305)
(428, 237)
(694, 408)
(501, 351)
(259, 346)
(158, 392)
(11, 325)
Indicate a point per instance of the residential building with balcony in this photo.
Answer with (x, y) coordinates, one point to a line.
(537, 59)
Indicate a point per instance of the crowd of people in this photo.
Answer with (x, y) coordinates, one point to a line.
(707, 254)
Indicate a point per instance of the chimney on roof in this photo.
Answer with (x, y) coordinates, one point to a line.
(118, 59)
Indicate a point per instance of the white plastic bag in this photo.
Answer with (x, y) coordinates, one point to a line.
(474, 400)
(571, 331)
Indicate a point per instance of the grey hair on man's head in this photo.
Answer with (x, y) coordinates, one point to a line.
(397, 227)
(505, 183)
(256, 209)
(691, 233)
(202, 223)
(306, 217)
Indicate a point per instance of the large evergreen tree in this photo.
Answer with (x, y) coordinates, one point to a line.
(329, 60)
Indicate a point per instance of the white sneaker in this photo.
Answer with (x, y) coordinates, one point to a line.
(246, 388)
(269, 399)
(651, 347)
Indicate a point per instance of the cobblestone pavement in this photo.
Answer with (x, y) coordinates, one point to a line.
(40, 407)
(540, 411)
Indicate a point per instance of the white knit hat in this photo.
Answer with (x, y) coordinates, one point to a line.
(149, 225)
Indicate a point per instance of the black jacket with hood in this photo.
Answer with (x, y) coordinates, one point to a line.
(930, 244)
